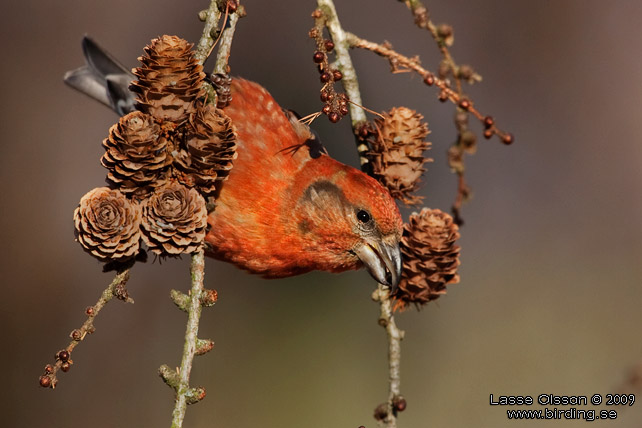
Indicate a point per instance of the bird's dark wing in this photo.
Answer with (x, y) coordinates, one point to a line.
(103, 78)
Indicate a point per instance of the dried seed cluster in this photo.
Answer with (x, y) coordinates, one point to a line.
(430, 257)
(161, 161)
(397, 142)
(335, 105)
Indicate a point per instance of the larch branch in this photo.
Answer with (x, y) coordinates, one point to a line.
(394, 335)
(349, 80)
(184, 394)
(63, 357)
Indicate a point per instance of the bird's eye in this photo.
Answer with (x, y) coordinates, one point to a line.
(363, 216)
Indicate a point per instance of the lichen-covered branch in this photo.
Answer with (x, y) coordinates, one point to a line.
(225, 46)
(180, 382)
(344, 62)
(387, 413)
(205, 45)
(349, 79)
(198, 297)
(63, 357)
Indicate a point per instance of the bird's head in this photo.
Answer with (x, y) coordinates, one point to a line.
(349, 219)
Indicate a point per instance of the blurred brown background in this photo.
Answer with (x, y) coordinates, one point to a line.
(550, 295)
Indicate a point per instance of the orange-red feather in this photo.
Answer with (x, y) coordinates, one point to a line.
(257, 224)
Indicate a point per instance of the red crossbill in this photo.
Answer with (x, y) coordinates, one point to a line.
(287, 207)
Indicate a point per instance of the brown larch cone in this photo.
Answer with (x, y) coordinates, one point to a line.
(222, 85)
(207, 149)
(108, 224)
(169, 80)
(136, 154)
(396, 155)
(430, 257)
(174, 220)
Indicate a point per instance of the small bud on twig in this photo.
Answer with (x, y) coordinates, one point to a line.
(399, 403)
(203, 346)
(169, 376)
(180, 299)
(208, 297)
(194, 395)
(381, 412)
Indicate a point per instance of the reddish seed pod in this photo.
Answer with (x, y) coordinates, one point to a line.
(443, 97)
(318, 57)
(337, 75)
(65, 366)
(343, 110)
(507, 139)
(399, 403)
(488, 133)
(334, 117)
(326, 109)
(62, 355)
(429, 80)
(325, 77)
(364, 131)
(329, 45)
(330, 96)
(90, 310)
(488, 122)
(45, 381)
(464, 104)
(76, 335)
(324, 96)
(48, 369)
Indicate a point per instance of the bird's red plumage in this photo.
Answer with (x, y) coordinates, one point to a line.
(261, 222)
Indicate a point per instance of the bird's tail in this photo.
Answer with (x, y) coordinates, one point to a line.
(103, 78)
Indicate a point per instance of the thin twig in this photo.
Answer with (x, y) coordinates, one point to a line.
(184, 393)
(349, 80)
(387, 321)
(205, 44)
(422, 20)
(63, 357)
(198, 296)
(396, 59)
(224, 49)
(344, 61)
(443, 37)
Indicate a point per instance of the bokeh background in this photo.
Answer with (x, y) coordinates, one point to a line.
(550, 295)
